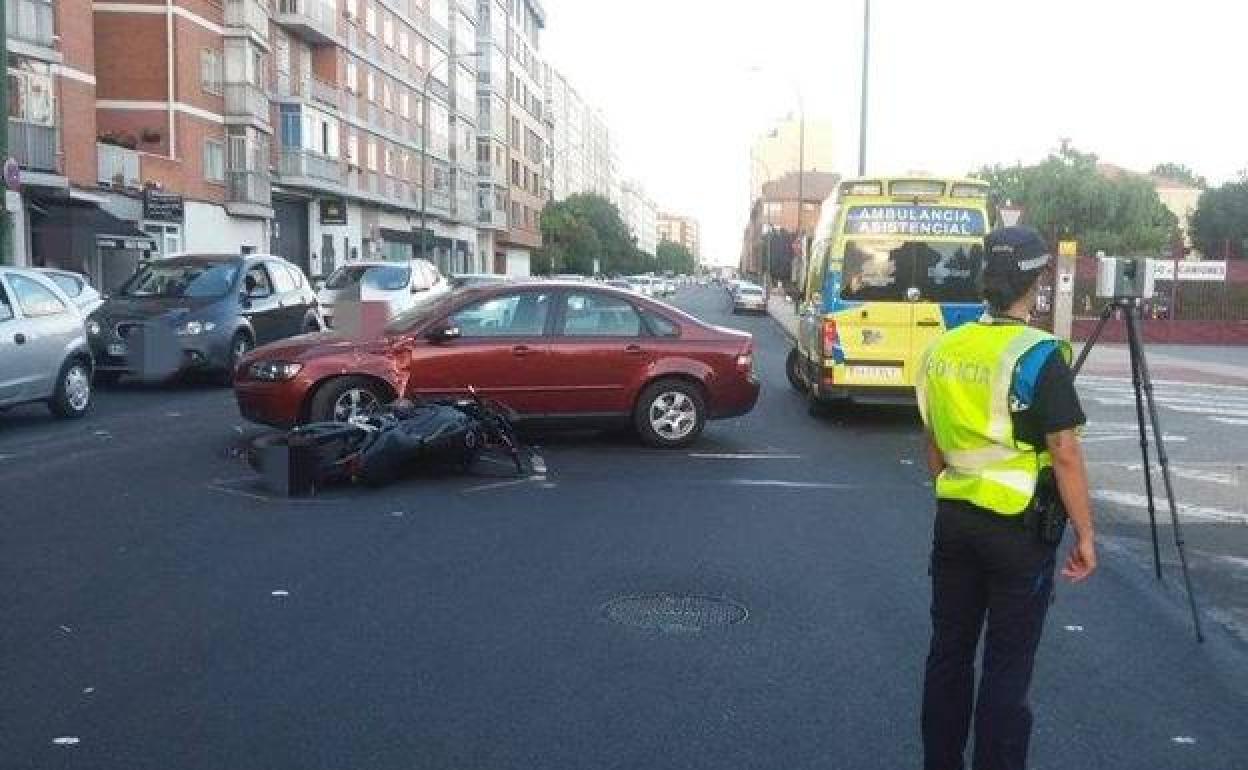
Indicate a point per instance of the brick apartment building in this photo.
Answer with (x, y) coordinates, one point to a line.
(776, 209)
(293, 126)
(680, 229)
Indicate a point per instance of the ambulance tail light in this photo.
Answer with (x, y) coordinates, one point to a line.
(831, 337)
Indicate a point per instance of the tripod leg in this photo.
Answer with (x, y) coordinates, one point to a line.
(1133, 344)
(1107, 314)
(1164, 461)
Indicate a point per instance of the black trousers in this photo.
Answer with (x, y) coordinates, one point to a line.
(983, 567)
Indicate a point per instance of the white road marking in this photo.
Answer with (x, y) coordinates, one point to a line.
(1186, 510)
(789, 484)
(66, 740)
(1075, 629)
(742, 456)
(88, 690)
(1223, 420)
(279, 593)
(1185, 740)
(539, 464)
(396, 514)
(1191, 474)
(67, 629)
(497, 485)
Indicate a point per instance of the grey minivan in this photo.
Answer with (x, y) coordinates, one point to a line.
(43, 347)
(199, 312)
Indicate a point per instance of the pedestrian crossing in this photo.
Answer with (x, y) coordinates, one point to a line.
(1222, 404)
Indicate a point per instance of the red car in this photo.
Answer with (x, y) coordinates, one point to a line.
(549, 350)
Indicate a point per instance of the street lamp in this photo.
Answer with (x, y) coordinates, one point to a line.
(862, 110)
(449, 59)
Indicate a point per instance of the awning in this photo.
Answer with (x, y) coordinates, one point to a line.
(84, 216)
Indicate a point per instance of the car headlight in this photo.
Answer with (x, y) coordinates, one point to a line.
(93, 328)
(274, 371)
(193, 328)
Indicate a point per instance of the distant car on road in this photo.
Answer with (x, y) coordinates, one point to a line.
(199, 312)
(398, 284)
(44, 355)
(749, 297)
(560, 351)
(76, 287)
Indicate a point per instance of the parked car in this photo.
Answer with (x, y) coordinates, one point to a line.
(619, 283)
(557, 351)
(399, 284)
(43, 345)
(669, 287)
(463, 280)
(199, 312)
(749, 297)
(76, 287)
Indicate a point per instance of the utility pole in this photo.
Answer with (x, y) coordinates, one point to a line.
(6, 223)
(862, 112)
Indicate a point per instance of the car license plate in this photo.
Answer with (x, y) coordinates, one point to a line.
(117, 349)
(876, 373)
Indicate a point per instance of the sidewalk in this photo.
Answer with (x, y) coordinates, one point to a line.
(1198, 364)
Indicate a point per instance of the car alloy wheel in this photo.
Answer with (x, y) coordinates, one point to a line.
(355, 402)
(673, 415)
(77, 387)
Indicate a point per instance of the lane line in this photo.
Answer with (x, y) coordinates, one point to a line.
(1230, 420)
(789, 484)
(742, 456)
(1200, 512)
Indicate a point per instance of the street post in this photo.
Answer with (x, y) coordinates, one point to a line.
(862, 113)
(6, 229)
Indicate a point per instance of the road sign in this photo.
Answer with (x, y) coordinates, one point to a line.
(1010, 214)
(1068, 248)
(12, 175)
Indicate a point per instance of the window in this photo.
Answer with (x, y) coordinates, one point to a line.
(404, 51)
(353, 150)
(387, 95)
(389, 162)
(71, 285)
(404, 103)
(372, 155)
(211, 70)
(591, 314)
(352, 11)
(387, 31)
(515, 315)
(214, 160)
(371, 81)
(515, 172)
(6, 307)
(772, 209)
(353, 77)
(370, 19)
(35, 299)
(660, 326)
(283, 282)
(31, 98)
(256, 282)
(884, 270)
(296, 275)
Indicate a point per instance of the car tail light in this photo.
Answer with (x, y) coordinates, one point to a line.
(831, 338)
(745, 362)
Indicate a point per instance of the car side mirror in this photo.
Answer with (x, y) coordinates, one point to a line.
(443, 333)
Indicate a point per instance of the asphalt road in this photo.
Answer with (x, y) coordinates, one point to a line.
(159, 611)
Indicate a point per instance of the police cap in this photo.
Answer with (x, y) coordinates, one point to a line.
(1015, 252)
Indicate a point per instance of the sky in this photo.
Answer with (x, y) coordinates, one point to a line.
(954, 85)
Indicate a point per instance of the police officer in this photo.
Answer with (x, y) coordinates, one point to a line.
(999, 403)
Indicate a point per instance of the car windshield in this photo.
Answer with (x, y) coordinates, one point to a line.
(383, 277)
(201, 279)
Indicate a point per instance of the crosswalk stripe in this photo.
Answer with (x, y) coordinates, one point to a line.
(1198, 512)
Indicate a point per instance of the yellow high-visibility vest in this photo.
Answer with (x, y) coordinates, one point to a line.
(964, 391)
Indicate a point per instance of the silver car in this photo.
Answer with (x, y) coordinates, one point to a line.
(43, 345)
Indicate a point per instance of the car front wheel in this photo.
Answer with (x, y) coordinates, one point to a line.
(793, 368)
(343, 398)
(670, 414)
(73, 390)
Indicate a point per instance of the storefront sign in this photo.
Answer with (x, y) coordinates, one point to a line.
(1205, 270)
(914, 220)
(333, 211)
(162, 206)
(1067, 248)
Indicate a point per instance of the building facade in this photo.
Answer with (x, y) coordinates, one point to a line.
(778, 151)
(640, 213)
(680, 229)
(581, 157)
(778, 209)
(321, 130)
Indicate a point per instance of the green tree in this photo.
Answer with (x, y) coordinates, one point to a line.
(1220, 221)
(1066, 196)
(1181, 173)
(674, 257)
(584, 228)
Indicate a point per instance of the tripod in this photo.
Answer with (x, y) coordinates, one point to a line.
(1142, 383)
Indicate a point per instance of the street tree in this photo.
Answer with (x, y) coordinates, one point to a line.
(1220, 221)
(1067, 196)
(584, 228)
(674, 257)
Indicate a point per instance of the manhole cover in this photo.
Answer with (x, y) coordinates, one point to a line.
(676, 614)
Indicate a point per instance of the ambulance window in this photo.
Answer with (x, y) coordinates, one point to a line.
(949, 272)
(875, 270)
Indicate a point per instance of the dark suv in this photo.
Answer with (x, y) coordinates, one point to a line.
(199, 313)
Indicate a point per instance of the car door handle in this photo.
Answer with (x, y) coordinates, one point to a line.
(928, 322)
(633, 350)
(520, 351)
(19, 338)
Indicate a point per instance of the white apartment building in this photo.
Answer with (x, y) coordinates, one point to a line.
(640, 214)
(581, 157)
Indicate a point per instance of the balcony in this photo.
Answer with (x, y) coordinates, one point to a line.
(306, 164)
(33, 146)
(248, 103)
(249, 15)
(248, 193)
(312, 20)
(31, 21)
(326, 93)
(492, 218)
(117, 167)
(439, 89)
(439, 33)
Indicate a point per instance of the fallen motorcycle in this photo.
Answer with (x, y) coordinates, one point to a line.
(377, 449)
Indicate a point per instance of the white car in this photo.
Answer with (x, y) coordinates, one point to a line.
(400, 285)
(76, 287)
(749, 298)
(43, 345)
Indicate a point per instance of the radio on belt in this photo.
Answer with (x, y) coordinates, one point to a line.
(1124, 277)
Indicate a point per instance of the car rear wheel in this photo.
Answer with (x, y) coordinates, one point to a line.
(73, 390)
(670, 414)
(343, 398)
(793, 368)
(240, 345)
